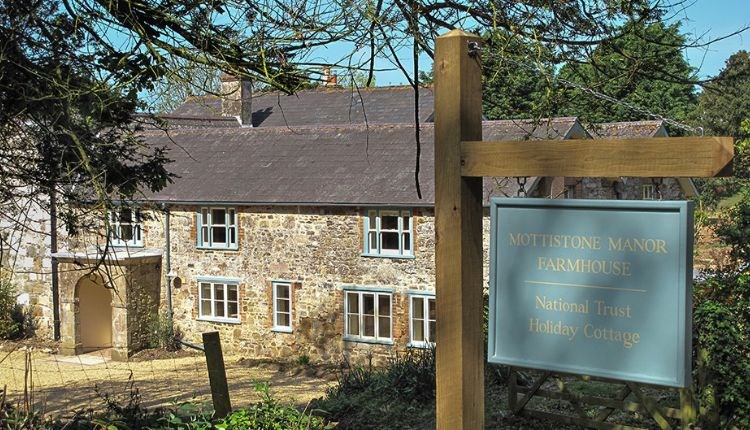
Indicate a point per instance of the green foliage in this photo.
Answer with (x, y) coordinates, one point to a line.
(269, 414)
(734, 229)
(721, 319)
(725, 103)
(162, 333)
(303, 360)
(375, 398)
(645, 67)
(518, 77)
(129, 414)
(16, 321)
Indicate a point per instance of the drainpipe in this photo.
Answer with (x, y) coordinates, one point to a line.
(55, 275)
(167, 263)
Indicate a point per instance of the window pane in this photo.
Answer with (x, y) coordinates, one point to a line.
(417, 307)
(232, 293)
(205, 308)
(204, 235)
(232, 308)
(353, 303)
(384, 305)
(282, 291)
(126, 215)
(433, 309)
(204, 216)
(389, 241)
(230, 219)
(406, 240)
(282, 305)
(218, 216)
(384, 327)
(137, 233)
(219, 292)
(205, 290)
(373, 242)
(417, 330)
(433, 330)
(126, 232)
(219, 234)
(368, 304)
(372, 220)
(232, 235)
(283, 320)
(369, 325)
(219, 309)
(353, 325)
(389, 223)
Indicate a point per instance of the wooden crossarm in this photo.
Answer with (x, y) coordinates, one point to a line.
(649, 157)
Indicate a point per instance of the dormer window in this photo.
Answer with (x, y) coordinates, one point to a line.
(217, 228)
(126, 227)
(389, 233)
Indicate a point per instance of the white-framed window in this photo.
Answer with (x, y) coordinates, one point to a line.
(389, 233)
(570, 192)
(217, 228)
(649, 191)
(422, 326)
(368, 316)
(126, 227)
(218, 300)
(282, 306)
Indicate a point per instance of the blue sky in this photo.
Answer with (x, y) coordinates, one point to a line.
(711, 19)
(702, 19)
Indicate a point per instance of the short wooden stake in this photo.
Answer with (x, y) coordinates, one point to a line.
(217, 374)
(687, 408)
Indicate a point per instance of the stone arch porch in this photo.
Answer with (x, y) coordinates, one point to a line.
(133, 277)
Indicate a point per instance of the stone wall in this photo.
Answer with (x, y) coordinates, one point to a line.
(24, 259)
(320, 251)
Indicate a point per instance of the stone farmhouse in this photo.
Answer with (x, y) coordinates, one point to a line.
(295, 226)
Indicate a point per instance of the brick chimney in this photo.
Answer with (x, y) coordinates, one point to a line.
(329, 79)
(237, 99)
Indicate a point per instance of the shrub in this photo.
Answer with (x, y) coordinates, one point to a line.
(16, 321)
(162, 333)
(269, 414)
(721, 318)
(402, 392)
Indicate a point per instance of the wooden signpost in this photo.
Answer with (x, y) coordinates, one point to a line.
(462, 159)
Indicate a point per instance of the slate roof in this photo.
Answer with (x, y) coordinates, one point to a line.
(320, 106)
(630, 129)
(319, 165)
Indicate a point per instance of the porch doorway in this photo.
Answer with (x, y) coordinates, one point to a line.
(94, 313)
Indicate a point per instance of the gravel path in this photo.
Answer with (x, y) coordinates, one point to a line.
(62, 384)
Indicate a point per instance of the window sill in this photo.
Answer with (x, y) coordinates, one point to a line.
(219, 320)
(394, 256)
(368, 340)
(421, 345)
(217, 248)
(282, 330)
(126, 245)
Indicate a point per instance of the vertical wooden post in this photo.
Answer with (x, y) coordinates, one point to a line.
(458, 235)
(217, 375)
(688, 414)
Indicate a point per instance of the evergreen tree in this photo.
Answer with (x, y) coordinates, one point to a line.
(645, 68)
(518, 78)
(725, 102)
